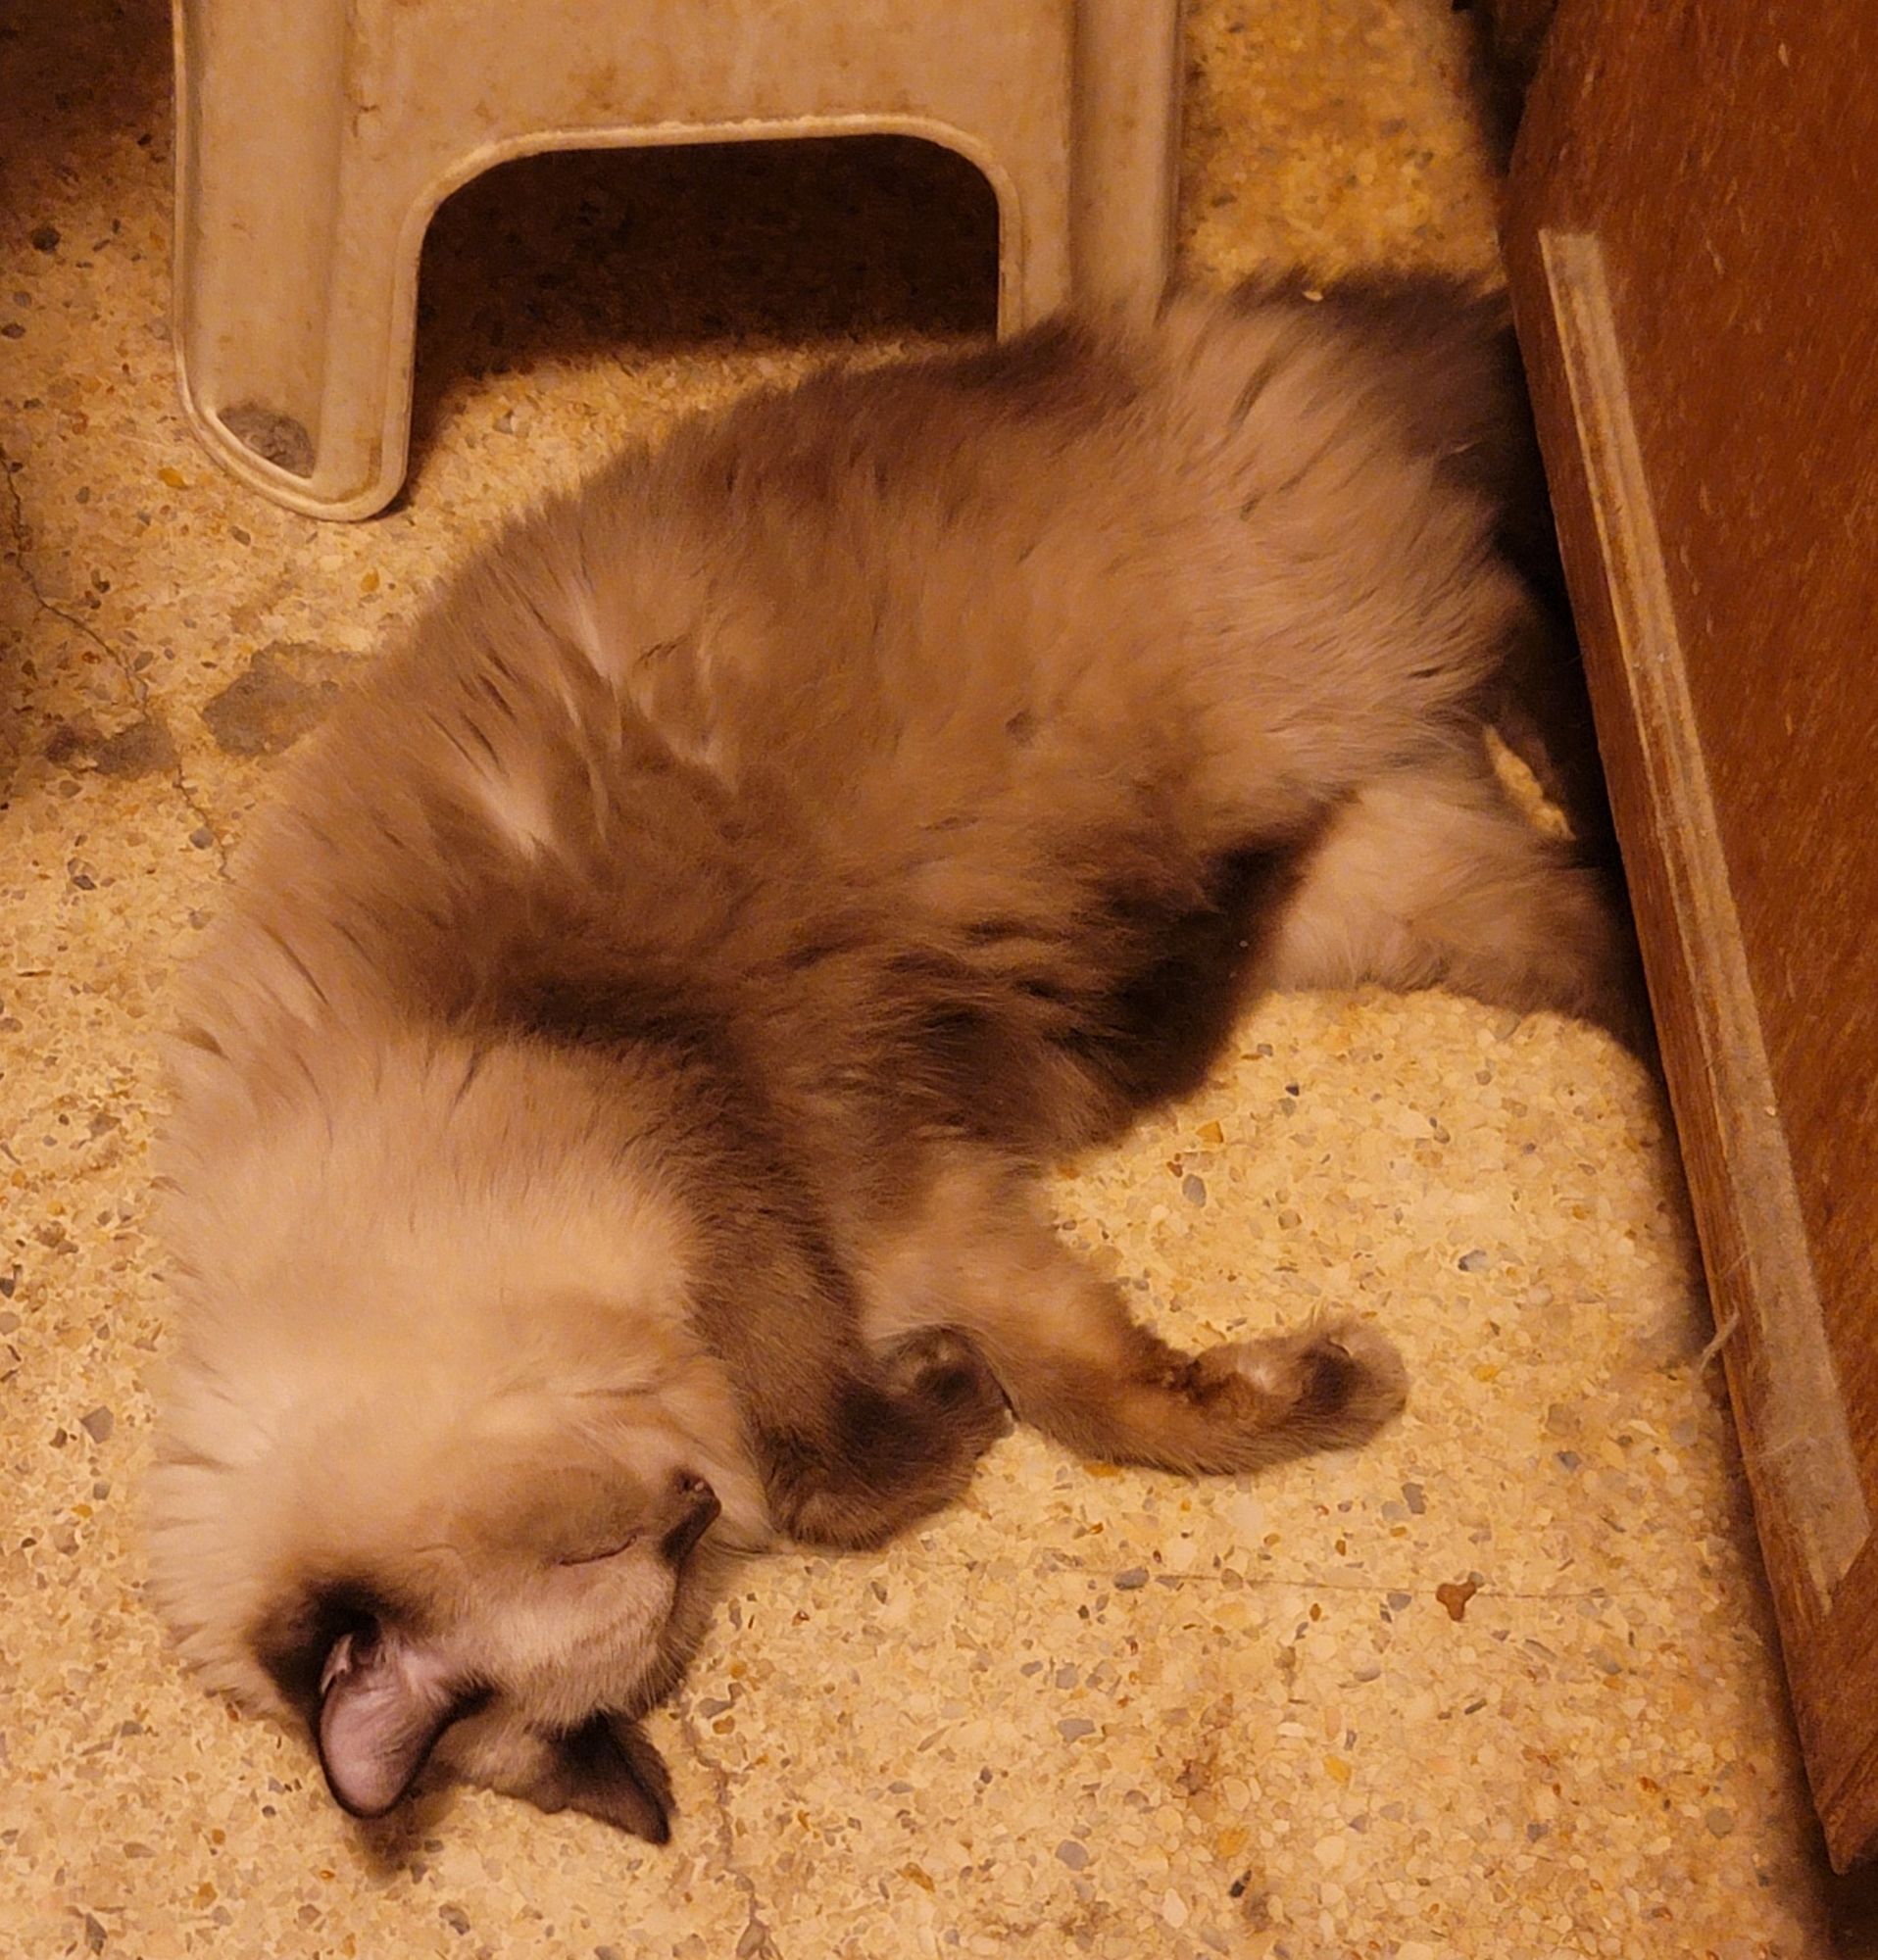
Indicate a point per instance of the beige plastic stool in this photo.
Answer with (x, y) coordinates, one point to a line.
(317, 137)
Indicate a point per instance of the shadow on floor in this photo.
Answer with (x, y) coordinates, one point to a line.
(1851, 1911)
(74, 79)
(651, 252)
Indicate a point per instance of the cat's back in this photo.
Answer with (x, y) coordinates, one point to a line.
(927, 637)
(998, 573)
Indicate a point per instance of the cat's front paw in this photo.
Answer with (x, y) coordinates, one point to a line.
(943, 1369)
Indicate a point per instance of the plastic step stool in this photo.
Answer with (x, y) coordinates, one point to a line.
(315, 138)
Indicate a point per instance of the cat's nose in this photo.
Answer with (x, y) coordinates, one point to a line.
(698, 1507)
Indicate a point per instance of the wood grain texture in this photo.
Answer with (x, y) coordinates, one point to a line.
(1760, 1244)
(1690, 242)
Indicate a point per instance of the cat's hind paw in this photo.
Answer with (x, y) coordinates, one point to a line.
(1331, 1384)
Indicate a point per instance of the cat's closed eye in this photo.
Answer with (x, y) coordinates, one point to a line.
(600, 1553)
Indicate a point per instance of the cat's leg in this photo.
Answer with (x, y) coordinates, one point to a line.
(1074, 1362)
(853, 1441)
(1429, 876)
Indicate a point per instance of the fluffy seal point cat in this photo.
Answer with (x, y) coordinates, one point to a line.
(608, 1111)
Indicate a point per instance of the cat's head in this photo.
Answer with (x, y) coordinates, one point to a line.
(444, 1471)
(511, 1613)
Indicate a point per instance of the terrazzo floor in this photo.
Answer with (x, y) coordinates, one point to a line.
(1501, 1684)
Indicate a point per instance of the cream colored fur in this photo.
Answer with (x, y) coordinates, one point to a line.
(616, 1085)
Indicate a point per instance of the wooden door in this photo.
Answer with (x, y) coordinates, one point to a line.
(1693, 246)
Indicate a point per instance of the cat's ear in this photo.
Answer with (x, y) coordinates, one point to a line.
(609, 1770)
(384, 1699)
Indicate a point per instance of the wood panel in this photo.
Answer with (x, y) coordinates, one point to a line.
(1693, 244)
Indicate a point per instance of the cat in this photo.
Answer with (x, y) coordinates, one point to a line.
(607, 1112)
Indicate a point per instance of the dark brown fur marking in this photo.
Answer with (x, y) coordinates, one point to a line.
(625, 1063)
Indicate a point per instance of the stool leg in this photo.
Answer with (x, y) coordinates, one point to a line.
(1034, 242)
(1130, 63)
(294, 365)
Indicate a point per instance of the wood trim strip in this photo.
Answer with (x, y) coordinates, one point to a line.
(1759, 1266)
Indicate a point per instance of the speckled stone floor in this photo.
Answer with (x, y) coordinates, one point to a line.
(1501, 1684)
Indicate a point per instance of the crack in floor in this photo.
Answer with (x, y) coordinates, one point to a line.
(139, 688)
(756, 1943)
(1055, 1565)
